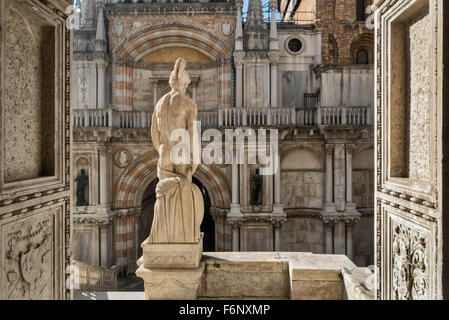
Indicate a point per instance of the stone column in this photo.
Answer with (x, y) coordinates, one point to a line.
(349, 244)
(239, 27)
(101, 96)
(238, 62)
(235, 216)
(246, 185)
(274, 53)
(328, 238)
(235, 221)
(350, 206)
(104, 245)
(235, 185)
(155, 91)
(349, 152)
(277, 186)
(329, 174)
(277, 222)
(235, 238)
(278, 207)
(104, 176)
(274, 60)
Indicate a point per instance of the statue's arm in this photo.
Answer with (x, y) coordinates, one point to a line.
(155, 132)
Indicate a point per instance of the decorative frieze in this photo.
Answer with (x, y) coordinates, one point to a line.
(148, 9)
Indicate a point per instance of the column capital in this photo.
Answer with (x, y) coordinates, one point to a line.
(350, 148)
(273, 5)
(239, 4)
(238, 58)
(278, 221)
(329, 148)
(102, 148)
(274, 57)
(235, 222)
(101, 64)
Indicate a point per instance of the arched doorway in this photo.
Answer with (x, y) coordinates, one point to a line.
(146, 217)
(208, 225)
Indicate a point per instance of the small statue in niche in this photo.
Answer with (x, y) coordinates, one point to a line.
(256, 186)
(82, 182)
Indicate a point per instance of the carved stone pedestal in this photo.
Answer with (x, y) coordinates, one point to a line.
(171, 271)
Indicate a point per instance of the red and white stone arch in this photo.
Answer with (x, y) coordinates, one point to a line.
(166, 34)
(128, 197)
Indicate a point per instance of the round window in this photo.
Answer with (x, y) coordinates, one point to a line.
(294, 45)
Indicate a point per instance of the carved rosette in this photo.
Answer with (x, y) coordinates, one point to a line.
(409, 257)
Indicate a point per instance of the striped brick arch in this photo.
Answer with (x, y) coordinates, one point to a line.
(128, 200)
(156, 36)
(135, 180)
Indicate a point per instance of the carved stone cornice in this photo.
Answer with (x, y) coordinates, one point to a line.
(85, 135)
(96, 219)
(129, 212)
(136, 9)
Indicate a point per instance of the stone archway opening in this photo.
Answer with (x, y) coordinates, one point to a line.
(208, 225)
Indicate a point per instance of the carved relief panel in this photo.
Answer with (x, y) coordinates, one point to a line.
(408, 186)
(35, 149)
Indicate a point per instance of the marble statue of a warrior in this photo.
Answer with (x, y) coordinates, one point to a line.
(179, 207)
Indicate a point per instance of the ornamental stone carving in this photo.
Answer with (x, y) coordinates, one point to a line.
(226, 28)
(122, 158)
(118, 29)
(28, 261)
(409, 257)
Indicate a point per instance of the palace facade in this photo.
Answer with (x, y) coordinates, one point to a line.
(304, 68)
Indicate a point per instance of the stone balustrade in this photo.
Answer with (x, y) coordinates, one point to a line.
(91, 278)
(343, 115)
(232, 117)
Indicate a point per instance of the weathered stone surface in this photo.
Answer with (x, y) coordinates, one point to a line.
(35, 149)
(359, 284)
(172, 255)
(275, 275)
(164, 284)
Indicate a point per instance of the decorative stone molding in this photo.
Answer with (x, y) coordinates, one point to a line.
(137, 9)
(226, 28)
(92, 219)
(123, 158)
(118, 29)
(154, 27)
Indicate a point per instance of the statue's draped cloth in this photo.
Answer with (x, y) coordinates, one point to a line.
(178, 210)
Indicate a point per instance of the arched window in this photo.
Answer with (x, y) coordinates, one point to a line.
(362, 56)
(361, 7)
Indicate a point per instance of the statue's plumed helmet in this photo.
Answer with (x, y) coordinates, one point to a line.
(179, 77)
